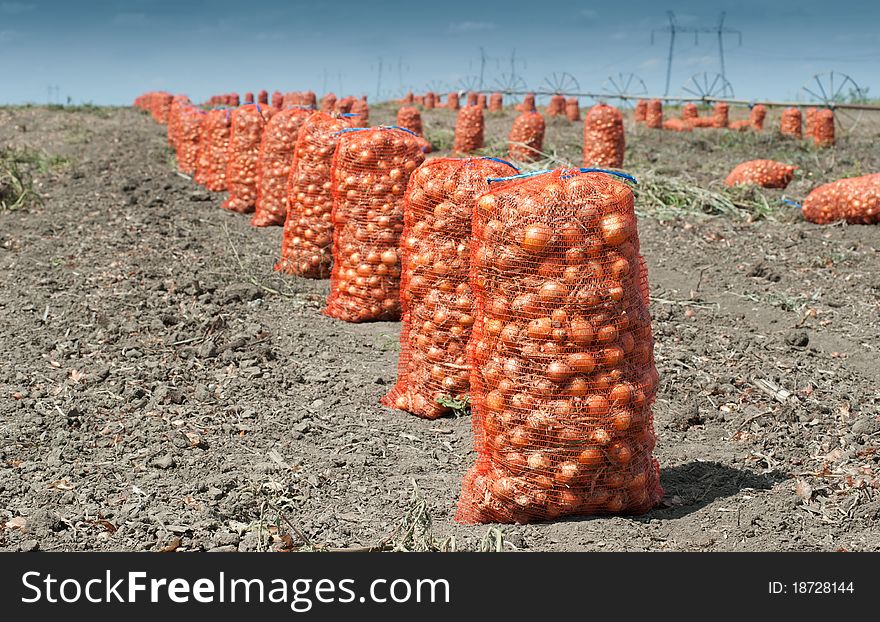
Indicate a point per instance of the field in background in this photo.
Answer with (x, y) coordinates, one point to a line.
(162, 389)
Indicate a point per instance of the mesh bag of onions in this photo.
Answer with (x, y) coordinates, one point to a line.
(178, 103)
(526, 138)
(248, 122)
(452, 101)
(436, 300)
(721, 115)
(468, 130)
(740, 126)
(810, 131)
(328, 102)
(572, 109)
(306, 248)
(471, 98)
(757, 115)
(654, 114)
(764, 173)
(276, 157)
(641, 111)
(556, 105)
(409, 118)
(855, 200)
(823, 128)
(790, 123)
(213, 148)
(604, 141)
(678, 125)
(189, 122)
(496, 102)
(689, 111)
(361, 109)
(371, 170)
(561, 353)
(527, 104)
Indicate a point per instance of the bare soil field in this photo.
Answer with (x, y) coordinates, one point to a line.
(162, 389)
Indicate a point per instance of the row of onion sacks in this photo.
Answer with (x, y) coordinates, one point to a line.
(561, 355)
(275, 159)
(307, 244)
(370, 172)
(436, 299)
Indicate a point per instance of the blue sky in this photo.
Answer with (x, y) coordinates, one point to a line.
(109, 51)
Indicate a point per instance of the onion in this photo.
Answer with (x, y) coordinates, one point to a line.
(536, 238)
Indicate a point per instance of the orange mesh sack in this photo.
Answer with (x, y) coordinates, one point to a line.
(410, 118)
(248, 98)
(823, 128)
(343, 105)
(496, 102)
(178, 103)
(452, 101)
(855, 200)
(790, 123)
(276, 156)
(526, 138)
(757, 115)
(408, 98)
(811, 122)
(189, 130)
(764, 173)
(468, 130)
(371, 170)
(361, 109)
(721, 115)
(243, 160)
(556, 106)
(481, 101)
(436, 300)
(277, 100)
(689, 111)
(572, 109)
(604, 141)
(306, 248)
(641, 111)
(430, 100)
(308, 98)
(740, 126)
(263, 97)
(528, 103)
(328, 102)
(213, 150)
(677, 125)
(561, 353)
(471, 98)
(654, 114)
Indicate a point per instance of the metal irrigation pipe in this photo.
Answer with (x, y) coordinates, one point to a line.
(705, 99)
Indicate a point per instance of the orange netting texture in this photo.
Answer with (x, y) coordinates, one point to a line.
(764, 173)
(328, 102)
(471, 98)
(604, 141)
(430, 100)
(721, 115)
(654, 114)
(790, 123)
(361, 108)
(689, 111)
(452, 101)
(678, 125)
(810, 130)
(277, 100)
(469, 127)
(436, 299)
(189, 125)
(528, 103)
(243, 159)
(757, 116)
(561, 354)
(855, 200)
(213, 148)
(641, 111)
(306, 248)
(496, 102)
(556, 106)
(371, 170)
(410, 118)
(481, 101)
(572, 109)
(526, 138)
(276, 157)
(823, 128)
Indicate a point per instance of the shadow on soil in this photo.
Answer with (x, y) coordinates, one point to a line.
(697, 484)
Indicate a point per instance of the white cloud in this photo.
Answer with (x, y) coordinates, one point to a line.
(129, 19)
(16, 8)
(471, 26)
